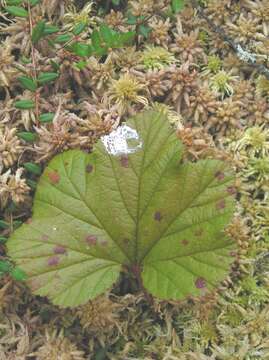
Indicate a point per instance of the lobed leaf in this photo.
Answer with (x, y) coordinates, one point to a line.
(94, 213)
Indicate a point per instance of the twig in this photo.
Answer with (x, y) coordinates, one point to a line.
(241, 52)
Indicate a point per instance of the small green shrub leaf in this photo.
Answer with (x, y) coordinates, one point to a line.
(148, 209)
(46, 117)
(50, 29)
(17, 11)
(38, 31)
(28, 83)
(27, 136)
(33, 168)
(178, 5)
(14, 2)
(24, 104)
(47, 77)
(79, 28)
(63, 38)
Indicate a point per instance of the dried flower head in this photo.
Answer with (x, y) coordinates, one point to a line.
(159, 34)
(58, 347)
(221, 83)
(7, 71)
(12, 187)
(184, 82)
(213, 65)
(57, 136)
(99, 315)
(72, 17)
(156, 57)
(188, 46)
(157, 81)
(10, 146)
(125, 92)
(262, 86)
(255, 140)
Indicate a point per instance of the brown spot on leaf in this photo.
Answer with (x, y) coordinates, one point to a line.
(103, 243)
(89, 168)
(59, 249)
(158, 216)
(91, 240)
(44, 237)
(219, 175)
(53, 261)
(231, 190)
(124, 161)
(199, 232)
(233, 253)
(54, 177)
(221, 204)
(200, 283)
(184, 242)
(66, 163)
(29, 221)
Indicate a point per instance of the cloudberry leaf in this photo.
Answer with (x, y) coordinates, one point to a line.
(148, 209)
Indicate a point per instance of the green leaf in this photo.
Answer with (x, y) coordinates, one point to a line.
(24, 104)
(18, 274)
(50, 29)
(63, 38)
(27, 136)
(31, 183)
(144, 30)
(79, 28)
(178, 5)
(33, 168)
(28, 83)
(3, 239)
(146, 210)
(34, 2)
(106, 34)
(81, 49)
(17, 11)
(46, 117)
(116, 2)
(38, 31)
(44, 78)
(14, 2)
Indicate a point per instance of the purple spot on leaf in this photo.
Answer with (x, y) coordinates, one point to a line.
(44, 237)
(219, 175)
(158, 216)
(233, 253)
(89, 168)
(54, 177)
(103, 243)
(59, 249)
(53, 261)
(221, 204)
(124, 161)
(200, 283)
(91, 240)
